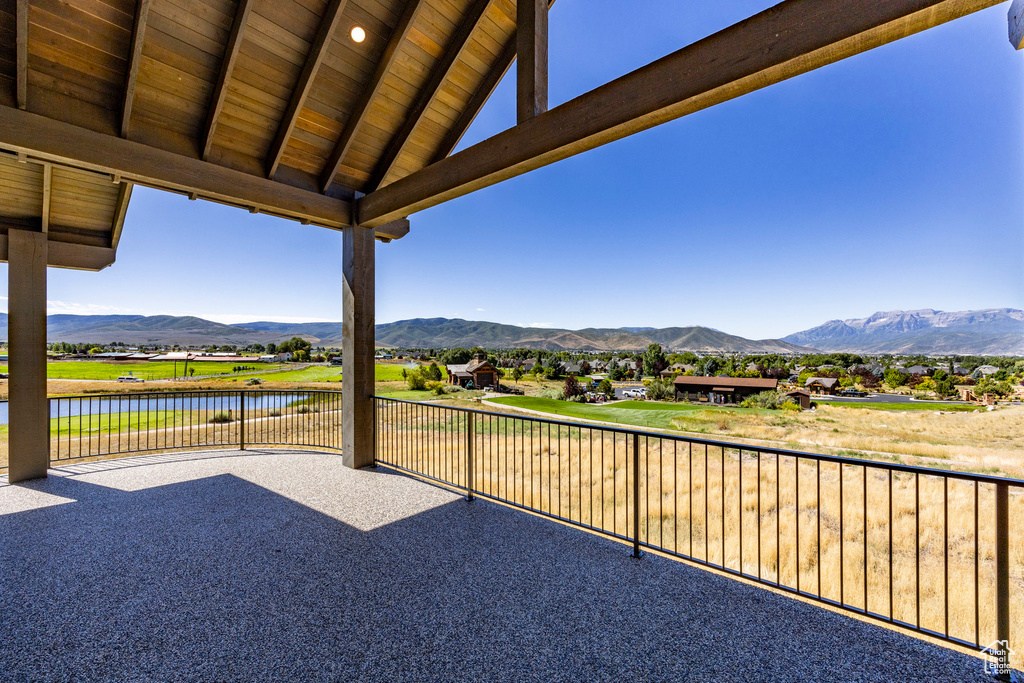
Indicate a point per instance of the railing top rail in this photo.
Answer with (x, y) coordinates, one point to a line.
(896, 467)
(180, 392)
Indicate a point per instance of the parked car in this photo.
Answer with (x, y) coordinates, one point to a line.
(635, 393)
(853, 392)
(130, 378)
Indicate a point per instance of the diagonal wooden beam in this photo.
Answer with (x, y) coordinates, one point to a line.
(47, 195)
(124, 196)
(483, 93)
(1015, 17)
(532, 48)
(46, 139)
(21, 47)
(313, 61)
(355, 119)
(791, 38)
(220, 90)
(429, 92)
(138, 34)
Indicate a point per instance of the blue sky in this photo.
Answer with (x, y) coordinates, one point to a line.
(889, 180)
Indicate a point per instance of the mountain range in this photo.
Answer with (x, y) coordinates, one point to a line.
(418, 333)
(998, 331)
(992, 331)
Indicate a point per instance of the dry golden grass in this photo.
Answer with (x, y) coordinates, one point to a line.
(711, 504)
(976, 441)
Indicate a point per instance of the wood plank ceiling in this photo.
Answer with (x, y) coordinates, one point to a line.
(272, 88)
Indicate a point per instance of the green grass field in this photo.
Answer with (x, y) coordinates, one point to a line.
(382, 372)
(100, 371)
(111, 423)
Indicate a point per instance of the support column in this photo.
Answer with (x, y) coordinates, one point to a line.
(358, 431)
(532, 67)
(29, 416)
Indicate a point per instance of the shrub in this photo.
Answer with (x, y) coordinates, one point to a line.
(221, 418)
(415, 380)
(770, 400)
(550, 393)
(606, 388)
(274, 412)
(791, 406)
(437, 388)
(579, 398)
(660, 390)
(452, 388)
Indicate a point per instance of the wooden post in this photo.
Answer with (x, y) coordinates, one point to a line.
(357, 427)
(29, 435)
(532, 71)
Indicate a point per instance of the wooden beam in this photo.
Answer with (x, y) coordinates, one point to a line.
(786, 40)
(313, 61)
(67, 254)
(124, 196)
(532, 47)
(437, 77)
(479, 98)
(1016, 20)
(21, 47)
(227, 65)
(358, 115)
(395, 230)
(47, 194)
(138, 34)
(58, 142)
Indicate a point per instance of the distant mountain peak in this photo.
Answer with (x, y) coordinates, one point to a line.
(990, 331)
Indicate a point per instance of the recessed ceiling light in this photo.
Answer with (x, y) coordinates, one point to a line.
(358, 34)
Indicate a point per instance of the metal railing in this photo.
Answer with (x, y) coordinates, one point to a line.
(93, 426)
(928, 550)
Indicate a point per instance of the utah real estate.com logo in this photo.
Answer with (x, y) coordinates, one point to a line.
(997, 660)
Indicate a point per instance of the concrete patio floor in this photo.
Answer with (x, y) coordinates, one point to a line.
(283, 565)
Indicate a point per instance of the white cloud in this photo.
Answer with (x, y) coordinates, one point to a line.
(540, 325)
(75, 308)
(480, 310)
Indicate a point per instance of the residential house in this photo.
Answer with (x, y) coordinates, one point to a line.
(800, 397)
(721, 389)
(480, 373)
(822, 385)
(986, 370)
(676, 368)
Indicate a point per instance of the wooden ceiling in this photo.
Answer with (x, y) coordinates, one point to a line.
(82, 212)
(273, 106)
(275, 89)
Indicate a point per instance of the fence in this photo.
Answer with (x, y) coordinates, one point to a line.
(936, 552)
(122, 424)
(927, 550)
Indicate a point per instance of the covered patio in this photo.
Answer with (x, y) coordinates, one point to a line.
(284, 565)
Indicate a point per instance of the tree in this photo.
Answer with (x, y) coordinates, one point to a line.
(433, 372)
(709, 367)
(415, 380)
(987, 385)
(271, 348)
(517, 374)
(654, 360)
(894, 378)
(585, 368)
(572, 387)
(606, 388)
(191, 372)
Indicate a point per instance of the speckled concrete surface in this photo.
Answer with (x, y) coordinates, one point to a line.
(287, 566)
